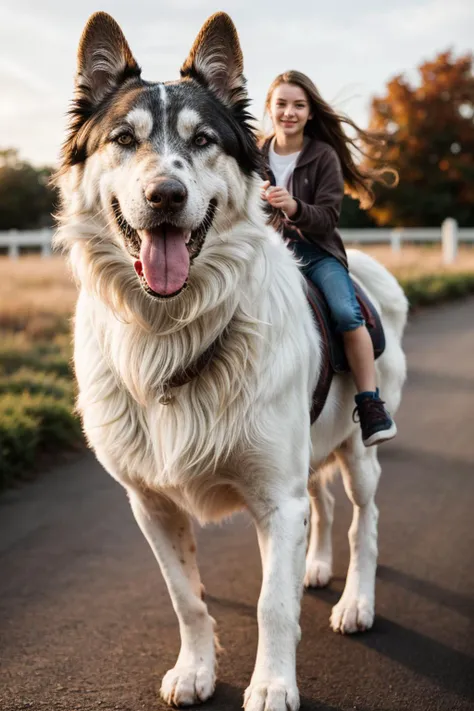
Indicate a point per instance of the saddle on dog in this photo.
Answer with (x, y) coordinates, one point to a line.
(332, 347)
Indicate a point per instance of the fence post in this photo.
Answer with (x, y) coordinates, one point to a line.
(46, 248)
(13, 247)
(396, 240)
(449, 239)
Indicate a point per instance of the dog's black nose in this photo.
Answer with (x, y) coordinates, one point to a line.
(166, 194)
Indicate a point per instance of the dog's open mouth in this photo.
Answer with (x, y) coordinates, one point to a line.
(165, 252)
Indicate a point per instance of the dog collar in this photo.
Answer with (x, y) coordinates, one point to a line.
(186, 375)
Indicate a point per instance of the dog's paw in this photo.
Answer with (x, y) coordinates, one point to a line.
(185, 686)
(276, 695)
(352, 614)
(318, 574)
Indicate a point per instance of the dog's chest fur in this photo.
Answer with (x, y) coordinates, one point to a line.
(211, 426)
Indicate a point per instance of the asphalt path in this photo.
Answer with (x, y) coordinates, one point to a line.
(85, 619)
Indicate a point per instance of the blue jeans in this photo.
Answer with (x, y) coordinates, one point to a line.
(327, 273)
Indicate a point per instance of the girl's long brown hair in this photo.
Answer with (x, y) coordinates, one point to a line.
(328, 126)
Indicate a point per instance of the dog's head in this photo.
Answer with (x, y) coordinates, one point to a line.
(165, 166)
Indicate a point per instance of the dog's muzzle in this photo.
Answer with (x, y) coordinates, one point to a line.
(165, 251)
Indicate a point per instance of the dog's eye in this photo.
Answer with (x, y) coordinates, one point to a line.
(125, 139)
(201, 140)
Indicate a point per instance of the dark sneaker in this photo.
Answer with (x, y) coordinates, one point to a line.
(376, 424)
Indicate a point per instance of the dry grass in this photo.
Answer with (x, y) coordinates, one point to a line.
(412, 262)
(36, 296)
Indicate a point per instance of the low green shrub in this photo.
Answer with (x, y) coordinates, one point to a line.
(437, 288)
(19, 439)
(17, 352)
(36, 402)
(31, 425)
(36, 383)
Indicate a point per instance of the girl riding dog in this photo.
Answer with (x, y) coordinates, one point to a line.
(309, 160)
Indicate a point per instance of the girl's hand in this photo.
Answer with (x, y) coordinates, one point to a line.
(263, 190)
(279, 197)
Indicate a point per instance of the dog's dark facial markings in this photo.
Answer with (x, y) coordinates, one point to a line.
(109, 124)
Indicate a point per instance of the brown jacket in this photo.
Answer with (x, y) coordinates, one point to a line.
(318, 188)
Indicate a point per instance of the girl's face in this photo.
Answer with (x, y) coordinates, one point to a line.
(289, 109)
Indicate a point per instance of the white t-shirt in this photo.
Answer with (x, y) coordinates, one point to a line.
(282, 167)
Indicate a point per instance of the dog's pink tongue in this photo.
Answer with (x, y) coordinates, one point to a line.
(164, 259)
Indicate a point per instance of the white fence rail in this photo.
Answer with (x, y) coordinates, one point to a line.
(448, 235)
(14, 240)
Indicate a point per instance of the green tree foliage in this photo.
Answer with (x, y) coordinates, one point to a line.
(430, 129)
(26, 200)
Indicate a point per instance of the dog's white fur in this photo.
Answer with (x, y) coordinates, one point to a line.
(238, 436)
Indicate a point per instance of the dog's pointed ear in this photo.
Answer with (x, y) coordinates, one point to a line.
(104, 59)
(216, 59)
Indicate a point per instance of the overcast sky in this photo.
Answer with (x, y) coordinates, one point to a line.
(350, 48)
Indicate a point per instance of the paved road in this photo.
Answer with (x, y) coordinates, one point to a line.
(86, 624)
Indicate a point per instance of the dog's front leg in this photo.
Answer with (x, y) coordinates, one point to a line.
(282, 534)
(169, 532)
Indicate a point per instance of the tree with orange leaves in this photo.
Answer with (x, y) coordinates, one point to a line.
(430, 142)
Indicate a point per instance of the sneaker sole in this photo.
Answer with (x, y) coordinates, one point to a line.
(381, 436)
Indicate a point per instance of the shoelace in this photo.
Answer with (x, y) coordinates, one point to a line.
(374, 408)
